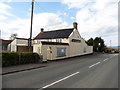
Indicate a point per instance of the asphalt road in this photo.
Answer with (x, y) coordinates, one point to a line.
(92, 71)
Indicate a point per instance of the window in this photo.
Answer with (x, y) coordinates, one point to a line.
(61, 51)
(75, 40)
(49, 40)
(84, 50)
(58, 40)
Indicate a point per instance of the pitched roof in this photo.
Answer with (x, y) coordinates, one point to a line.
(22, 38)
(5, 41)
(63, 33)
(53, 43)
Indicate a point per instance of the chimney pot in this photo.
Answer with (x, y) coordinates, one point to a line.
(75, 24)
(42, 30)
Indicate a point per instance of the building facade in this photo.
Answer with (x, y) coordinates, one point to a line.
(59, 44)
(54, 44)
(4, 44)
(19, 45)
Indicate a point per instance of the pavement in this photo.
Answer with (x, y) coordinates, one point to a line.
(91, 71)
(19, 68)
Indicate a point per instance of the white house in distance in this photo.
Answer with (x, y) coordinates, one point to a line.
(19, 45)
(59, 44)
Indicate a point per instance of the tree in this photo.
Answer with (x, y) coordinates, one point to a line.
(97, 43)
(13, 36)
(90, 42)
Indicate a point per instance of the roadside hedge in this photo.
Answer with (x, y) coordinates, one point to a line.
(16, 58)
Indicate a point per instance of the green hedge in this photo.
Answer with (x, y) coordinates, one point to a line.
(15, 58)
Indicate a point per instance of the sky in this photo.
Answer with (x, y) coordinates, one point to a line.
(95, 18)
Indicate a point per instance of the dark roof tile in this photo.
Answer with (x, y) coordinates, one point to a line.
(63, 33)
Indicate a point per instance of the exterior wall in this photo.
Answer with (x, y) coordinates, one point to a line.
(21, 43)
(74, 48)
(78, 48)
(4, 47)
(37, 48)
(44, 50)
(24, 49)
(12, 46)
(63, 40)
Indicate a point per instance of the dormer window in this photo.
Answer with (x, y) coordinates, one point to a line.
(58, 40)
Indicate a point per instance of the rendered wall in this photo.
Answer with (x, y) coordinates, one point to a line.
(74, 48)
(78, 48)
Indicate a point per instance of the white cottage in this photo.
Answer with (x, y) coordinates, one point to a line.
(59, 44)
(19, 45)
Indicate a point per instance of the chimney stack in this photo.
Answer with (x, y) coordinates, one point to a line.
(75, 24)
(42, 30)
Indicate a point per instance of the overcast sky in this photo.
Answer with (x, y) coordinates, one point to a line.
(95, 18)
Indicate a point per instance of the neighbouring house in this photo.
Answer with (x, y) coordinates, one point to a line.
(19, 45)
(59, 44)
(114, 49)
(4, 44)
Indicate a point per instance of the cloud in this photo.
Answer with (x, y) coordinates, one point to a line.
(48, 21)
(2, 17)
(96, 17)
(4, 9)
(72, 18)
(77, 3)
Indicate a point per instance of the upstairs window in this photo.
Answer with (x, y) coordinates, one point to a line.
(58, 40)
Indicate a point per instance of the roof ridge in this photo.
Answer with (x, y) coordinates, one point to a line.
(60, 33)
(59, 29)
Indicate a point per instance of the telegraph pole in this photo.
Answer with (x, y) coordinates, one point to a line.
(30, 39)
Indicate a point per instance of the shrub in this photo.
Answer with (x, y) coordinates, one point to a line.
(15, 58)
(108, 51)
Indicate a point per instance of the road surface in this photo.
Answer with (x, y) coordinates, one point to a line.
(91, 71)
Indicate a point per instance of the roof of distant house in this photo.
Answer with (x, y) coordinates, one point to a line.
(62, 33)
(22, 38)
(5, 41)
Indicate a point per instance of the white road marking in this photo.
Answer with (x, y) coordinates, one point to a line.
(111, 57)
(94, 64)
(73, 74)
(105, 59)
(60, 80)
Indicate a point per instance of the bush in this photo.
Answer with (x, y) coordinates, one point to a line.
(15, 58)
(108, 51)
